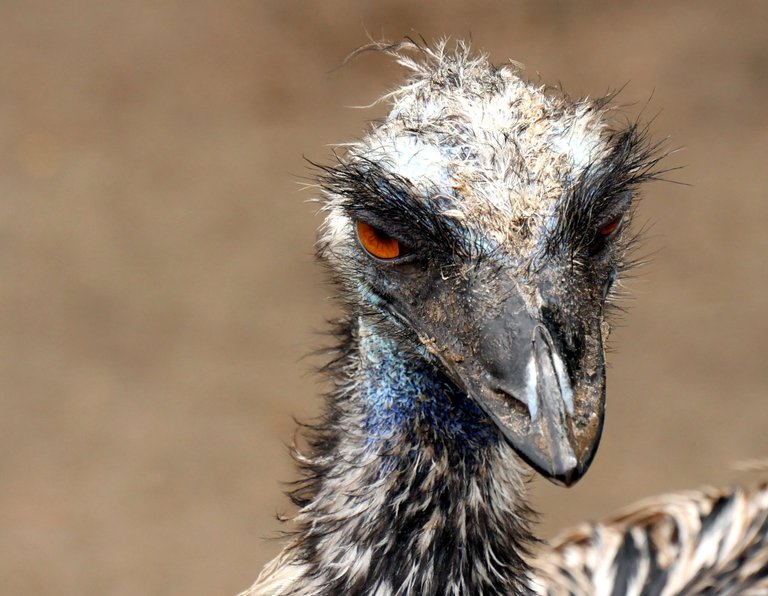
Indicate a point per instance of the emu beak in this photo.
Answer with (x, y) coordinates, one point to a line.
(551, 427)
(517, 373)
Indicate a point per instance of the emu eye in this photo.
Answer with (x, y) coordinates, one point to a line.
(603, 234)
(377, 243)
(611, 226)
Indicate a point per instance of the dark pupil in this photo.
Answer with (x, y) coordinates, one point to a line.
(381, 235)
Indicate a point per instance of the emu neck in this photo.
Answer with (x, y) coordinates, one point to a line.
(409, 489)
(409, 408)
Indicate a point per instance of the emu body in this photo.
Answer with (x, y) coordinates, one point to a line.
(472, 349)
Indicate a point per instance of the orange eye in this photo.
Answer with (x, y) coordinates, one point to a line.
(376, 242)
(611, 226)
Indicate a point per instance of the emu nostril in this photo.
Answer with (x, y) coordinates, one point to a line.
(511, 397)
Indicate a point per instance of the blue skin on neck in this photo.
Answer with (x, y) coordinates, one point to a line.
(407, 401)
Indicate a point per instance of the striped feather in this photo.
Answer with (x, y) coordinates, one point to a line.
(695, 542)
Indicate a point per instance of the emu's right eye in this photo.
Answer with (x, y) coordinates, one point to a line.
(378, 243)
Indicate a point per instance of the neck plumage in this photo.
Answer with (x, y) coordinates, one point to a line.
(408, 488)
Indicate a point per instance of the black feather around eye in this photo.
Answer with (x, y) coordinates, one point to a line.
(391, 204)
(604, 192)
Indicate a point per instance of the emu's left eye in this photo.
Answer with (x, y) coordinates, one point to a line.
(609, 228)
(377, 243)
(604, 234)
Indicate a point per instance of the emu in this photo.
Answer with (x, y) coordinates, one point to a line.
(476, 236)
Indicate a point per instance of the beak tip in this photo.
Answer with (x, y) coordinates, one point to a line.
(569, 477)
(563, 469)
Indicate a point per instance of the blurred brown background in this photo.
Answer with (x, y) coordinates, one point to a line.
(157, 289)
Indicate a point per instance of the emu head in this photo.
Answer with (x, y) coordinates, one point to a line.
(483, 224)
